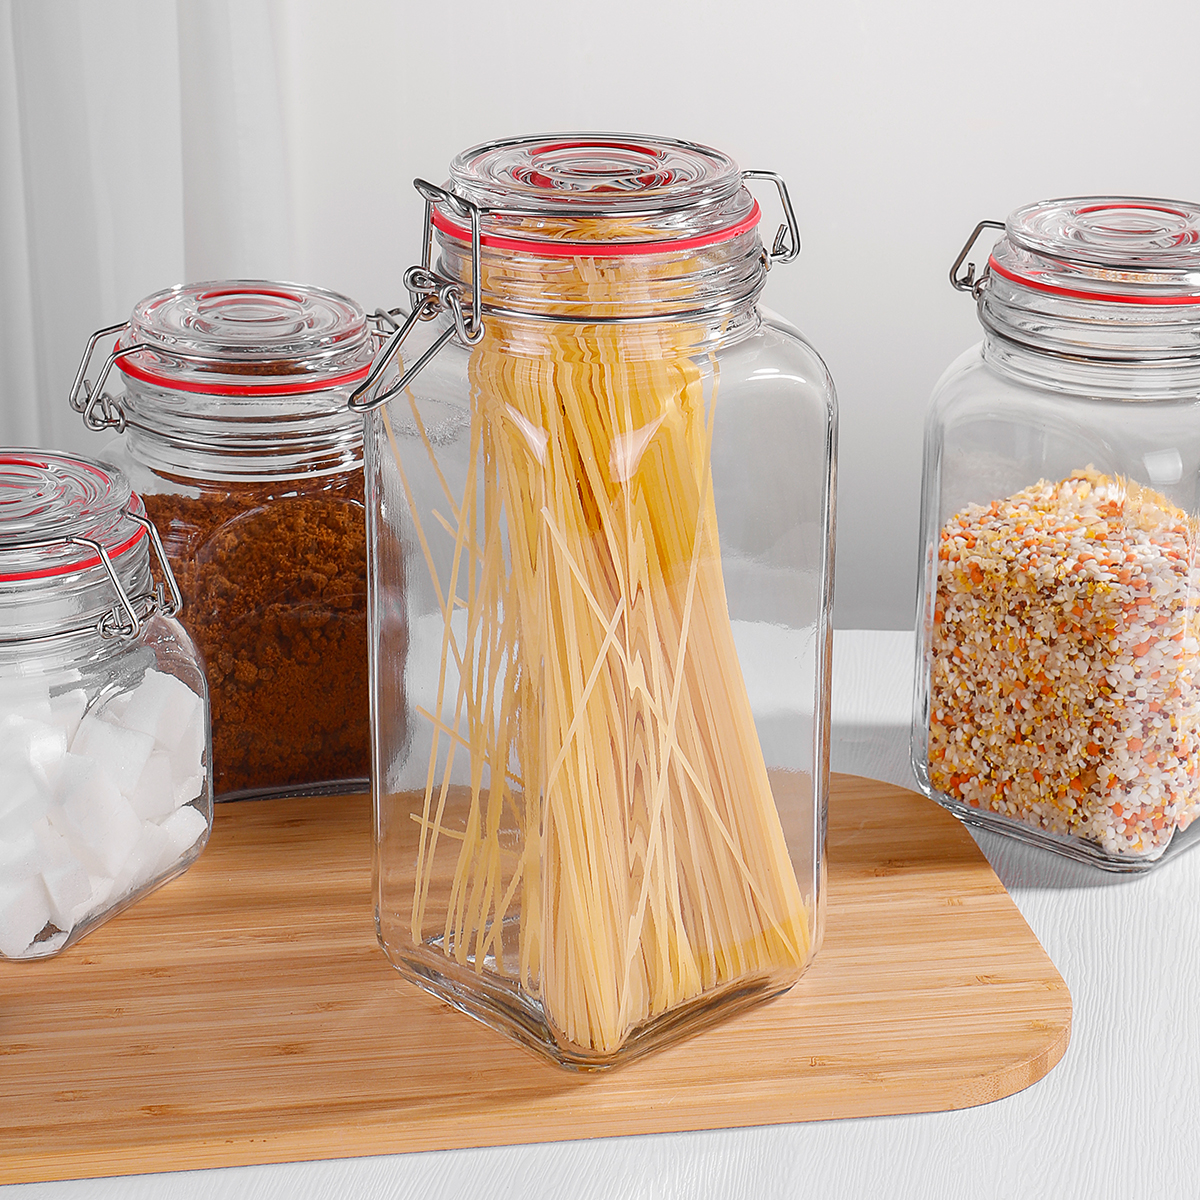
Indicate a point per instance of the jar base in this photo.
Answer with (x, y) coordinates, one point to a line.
(64, 939)
(1074, 848)
(324, 787)
(506, 1009)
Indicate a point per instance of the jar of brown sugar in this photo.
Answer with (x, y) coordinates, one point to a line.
(233, 427)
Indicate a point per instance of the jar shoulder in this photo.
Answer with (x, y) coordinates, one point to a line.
(777, 355)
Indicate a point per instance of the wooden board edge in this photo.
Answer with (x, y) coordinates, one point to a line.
(388, 1137)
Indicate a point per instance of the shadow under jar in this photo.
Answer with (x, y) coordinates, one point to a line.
(1058, 667)
(235, 430)
(600, 730)
(105, 787)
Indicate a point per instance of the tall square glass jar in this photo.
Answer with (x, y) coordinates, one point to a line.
(600, 510)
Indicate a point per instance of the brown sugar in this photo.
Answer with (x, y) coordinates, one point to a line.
(274, 580)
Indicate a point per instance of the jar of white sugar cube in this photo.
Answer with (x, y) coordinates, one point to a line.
(600, 496)
(105, 787)
(1058, 666)
(228, 402)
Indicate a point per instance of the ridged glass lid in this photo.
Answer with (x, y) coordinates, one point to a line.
(48, 498)
(620, 188)
(248, 337)
(1120, 249)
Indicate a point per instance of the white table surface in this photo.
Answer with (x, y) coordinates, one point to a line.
(1116, 1118)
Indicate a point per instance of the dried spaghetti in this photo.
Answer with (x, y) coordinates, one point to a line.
(597, 692)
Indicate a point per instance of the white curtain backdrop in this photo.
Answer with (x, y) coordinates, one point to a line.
(141, 144)
(145, 143)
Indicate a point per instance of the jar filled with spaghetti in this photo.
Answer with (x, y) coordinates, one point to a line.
(1058, 660)
(599, 483)
(233, 426)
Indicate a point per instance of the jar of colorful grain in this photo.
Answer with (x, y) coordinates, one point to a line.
(1058, 666)
(105, 788)
(232, 424)
(600, 494)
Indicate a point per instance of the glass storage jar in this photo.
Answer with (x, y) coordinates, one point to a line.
(234, 428)
(600, 734)
(1057, 665)
(105, 789)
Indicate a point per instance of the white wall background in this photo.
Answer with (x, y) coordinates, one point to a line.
(144, 143)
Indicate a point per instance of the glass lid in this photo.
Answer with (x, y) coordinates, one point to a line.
(620, 188)
(1120, 249)
(247, 337)
(46, 498)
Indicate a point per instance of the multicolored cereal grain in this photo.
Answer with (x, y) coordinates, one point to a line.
(1065, 690)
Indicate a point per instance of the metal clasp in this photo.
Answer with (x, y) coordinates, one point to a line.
(967, 281)
(100, 411)
(431, 294)
(122, 619)
(175, 606)
(786, 246)
(110, 625)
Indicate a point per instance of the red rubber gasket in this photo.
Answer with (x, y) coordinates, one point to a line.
(557, 249)
(1076, 294)
(71, 568)
(296, 388)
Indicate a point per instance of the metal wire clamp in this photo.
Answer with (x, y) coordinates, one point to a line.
(786, 246)
(430, 294)
(966, 282)
(123, 619)
(101, 411)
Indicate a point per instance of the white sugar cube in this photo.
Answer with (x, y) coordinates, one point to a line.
(24, 911)
(67, 887)
(113, 708)
(121, 752)
(27, 698)
(29, 744)
(184, 827)
(154, 795)
(95, 818)
(142, 863)
(163, 707)
(188, 790)
(38, 848)
(46, 747)
(82, 795)
(187, 759)
(19, 784)
(54, 848)
(101, 888)
(66, 711)
(21, 818)
(20, 857)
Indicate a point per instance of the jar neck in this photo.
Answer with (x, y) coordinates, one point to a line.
(1081, 346)
(235, 439)
(60, 659)
(700, 284)
(66, 610)
(583, 343)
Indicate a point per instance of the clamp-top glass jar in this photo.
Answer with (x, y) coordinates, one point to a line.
(105, 791)
(1058, 661)
(600, 733)
(234, 428)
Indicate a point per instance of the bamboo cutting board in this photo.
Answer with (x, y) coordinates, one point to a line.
(244, 1014)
